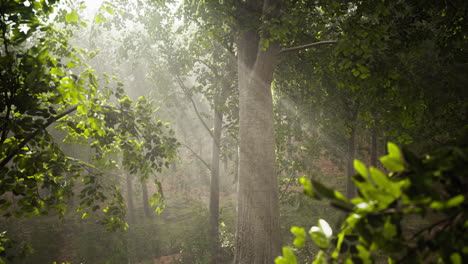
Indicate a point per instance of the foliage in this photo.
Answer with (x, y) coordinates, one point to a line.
(73, 240)
(46, 82)
(416, 213)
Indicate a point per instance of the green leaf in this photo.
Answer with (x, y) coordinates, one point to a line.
(287, 258)
(323, 191)
(364, 254)
(393, 150)
(339, 196)
(455, 258)
(320, 258)
(355, 72)
(300, 236)
(307, 186)
(72, 17)
(360, 168)
(384, 183)
(465, 248)
(109, 10)
(99, 18)
(454, 201)
(57, 71)
(394, 160)
(390, 230)
(319, 237)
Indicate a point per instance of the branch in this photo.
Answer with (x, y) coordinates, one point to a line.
(5, 39)
(449, 221)
(34, 134)
(306, 46)
(213, 70)
(181, 84)
(198, 156)
(229, 124)
(285, 189)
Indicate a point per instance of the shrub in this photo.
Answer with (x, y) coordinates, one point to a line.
(417, 213)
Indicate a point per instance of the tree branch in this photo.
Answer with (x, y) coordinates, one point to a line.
(198, 156)
(213, 70)
(285, 189)
(306, 46)
(34, 134)
(181, 84)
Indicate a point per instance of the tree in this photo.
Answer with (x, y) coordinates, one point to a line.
(259, 30)
(46, 82)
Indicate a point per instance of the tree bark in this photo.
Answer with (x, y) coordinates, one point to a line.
(214, 184)
(144, 191)
(258, 237)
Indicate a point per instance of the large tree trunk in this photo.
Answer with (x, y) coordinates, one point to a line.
(214, 185)
(258, 233)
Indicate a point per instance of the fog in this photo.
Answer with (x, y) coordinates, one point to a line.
(187, 131)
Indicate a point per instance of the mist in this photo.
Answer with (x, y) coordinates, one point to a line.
(232, 132)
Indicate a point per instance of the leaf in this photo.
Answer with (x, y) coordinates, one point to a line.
(322, 190)
(320, 258)
(355, 72)
(287, 258)
(300, 236)
(360, 168)
(72, 17)
(99, 18)
(307, 186)
(364, 254)
(109, 10)
(390, 230)
(325, 227)
(57, 71)
(384, 183)
(454, 201)
(319, 237)
(394, 160)
(455, 258)
(340, 197)
(393, 150)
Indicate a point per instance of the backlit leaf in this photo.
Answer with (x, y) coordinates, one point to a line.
(72, 17)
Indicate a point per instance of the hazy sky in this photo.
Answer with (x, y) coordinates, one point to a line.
(92, 7)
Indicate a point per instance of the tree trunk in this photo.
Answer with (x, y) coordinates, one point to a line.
(214, 185)
(144, 191)
(236, 168)
(131, 210)
(350, 187)
(225, 162)
(258, 232)
(373, 152)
